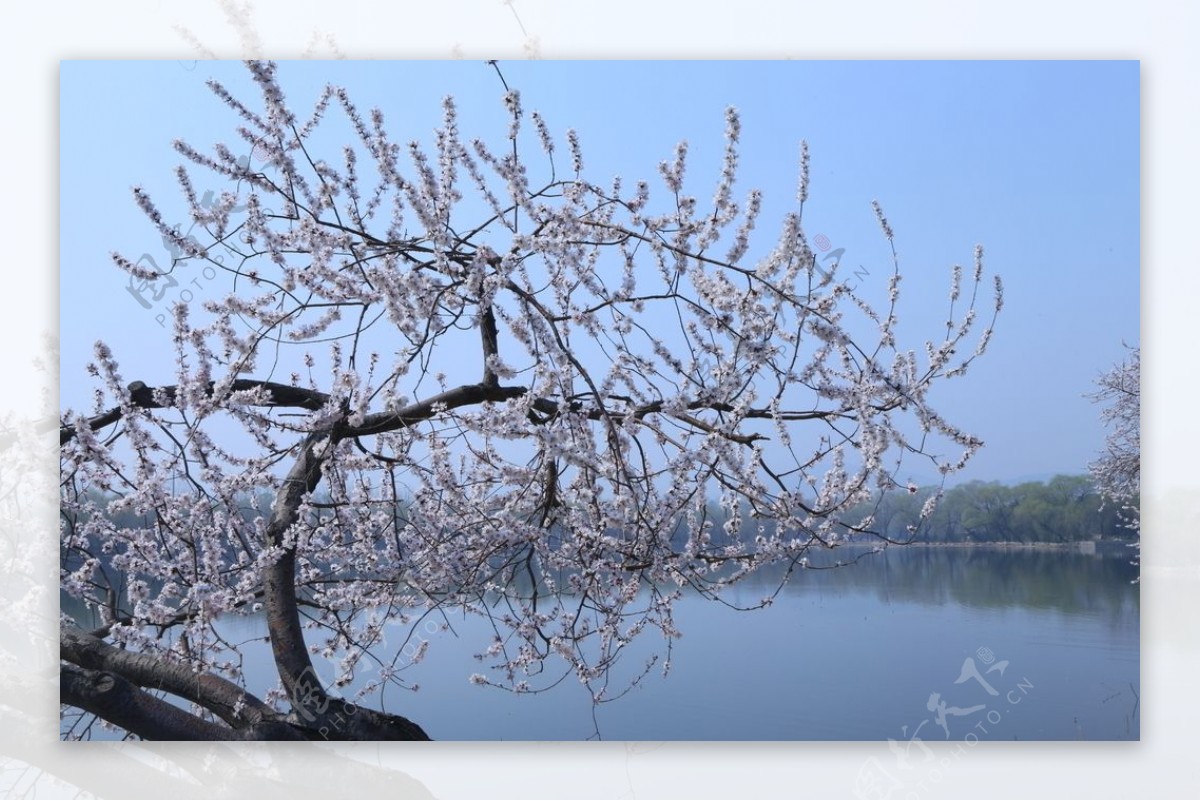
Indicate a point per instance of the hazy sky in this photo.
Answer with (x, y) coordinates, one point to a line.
(1037, 161)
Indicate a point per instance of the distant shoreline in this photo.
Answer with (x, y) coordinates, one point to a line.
(1080, 545)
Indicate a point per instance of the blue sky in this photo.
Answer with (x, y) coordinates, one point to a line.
(1038, 161)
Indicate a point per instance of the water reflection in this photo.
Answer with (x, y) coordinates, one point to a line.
(852, 653)
(1064, 580)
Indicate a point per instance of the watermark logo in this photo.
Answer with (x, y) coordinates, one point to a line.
(156, 288)
(308, 698)
(331, 715)
(155, 292)
(961, 720)
(831, 258)
(313, 707)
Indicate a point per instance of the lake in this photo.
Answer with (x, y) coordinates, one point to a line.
(915, 643)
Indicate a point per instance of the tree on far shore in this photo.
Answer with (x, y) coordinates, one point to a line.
(1118, 469)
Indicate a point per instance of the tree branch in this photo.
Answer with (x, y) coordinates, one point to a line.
(214, 693)
(465, 395)
(115, 699)
(491, 347)
(279, 579)
(142, 396)
(327, 717)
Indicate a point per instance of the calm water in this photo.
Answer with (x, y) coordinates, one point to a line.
(944, 643)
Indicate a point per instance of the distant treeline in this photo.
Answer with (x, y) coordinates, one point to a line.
(1064, 509)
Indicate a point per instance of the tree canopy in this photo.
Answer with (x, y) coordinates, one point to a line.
(470, 377)
(1118, 469)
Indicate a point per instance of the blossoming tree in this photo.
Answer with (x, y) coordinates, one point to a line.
(475, 379)
(1118, 470)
